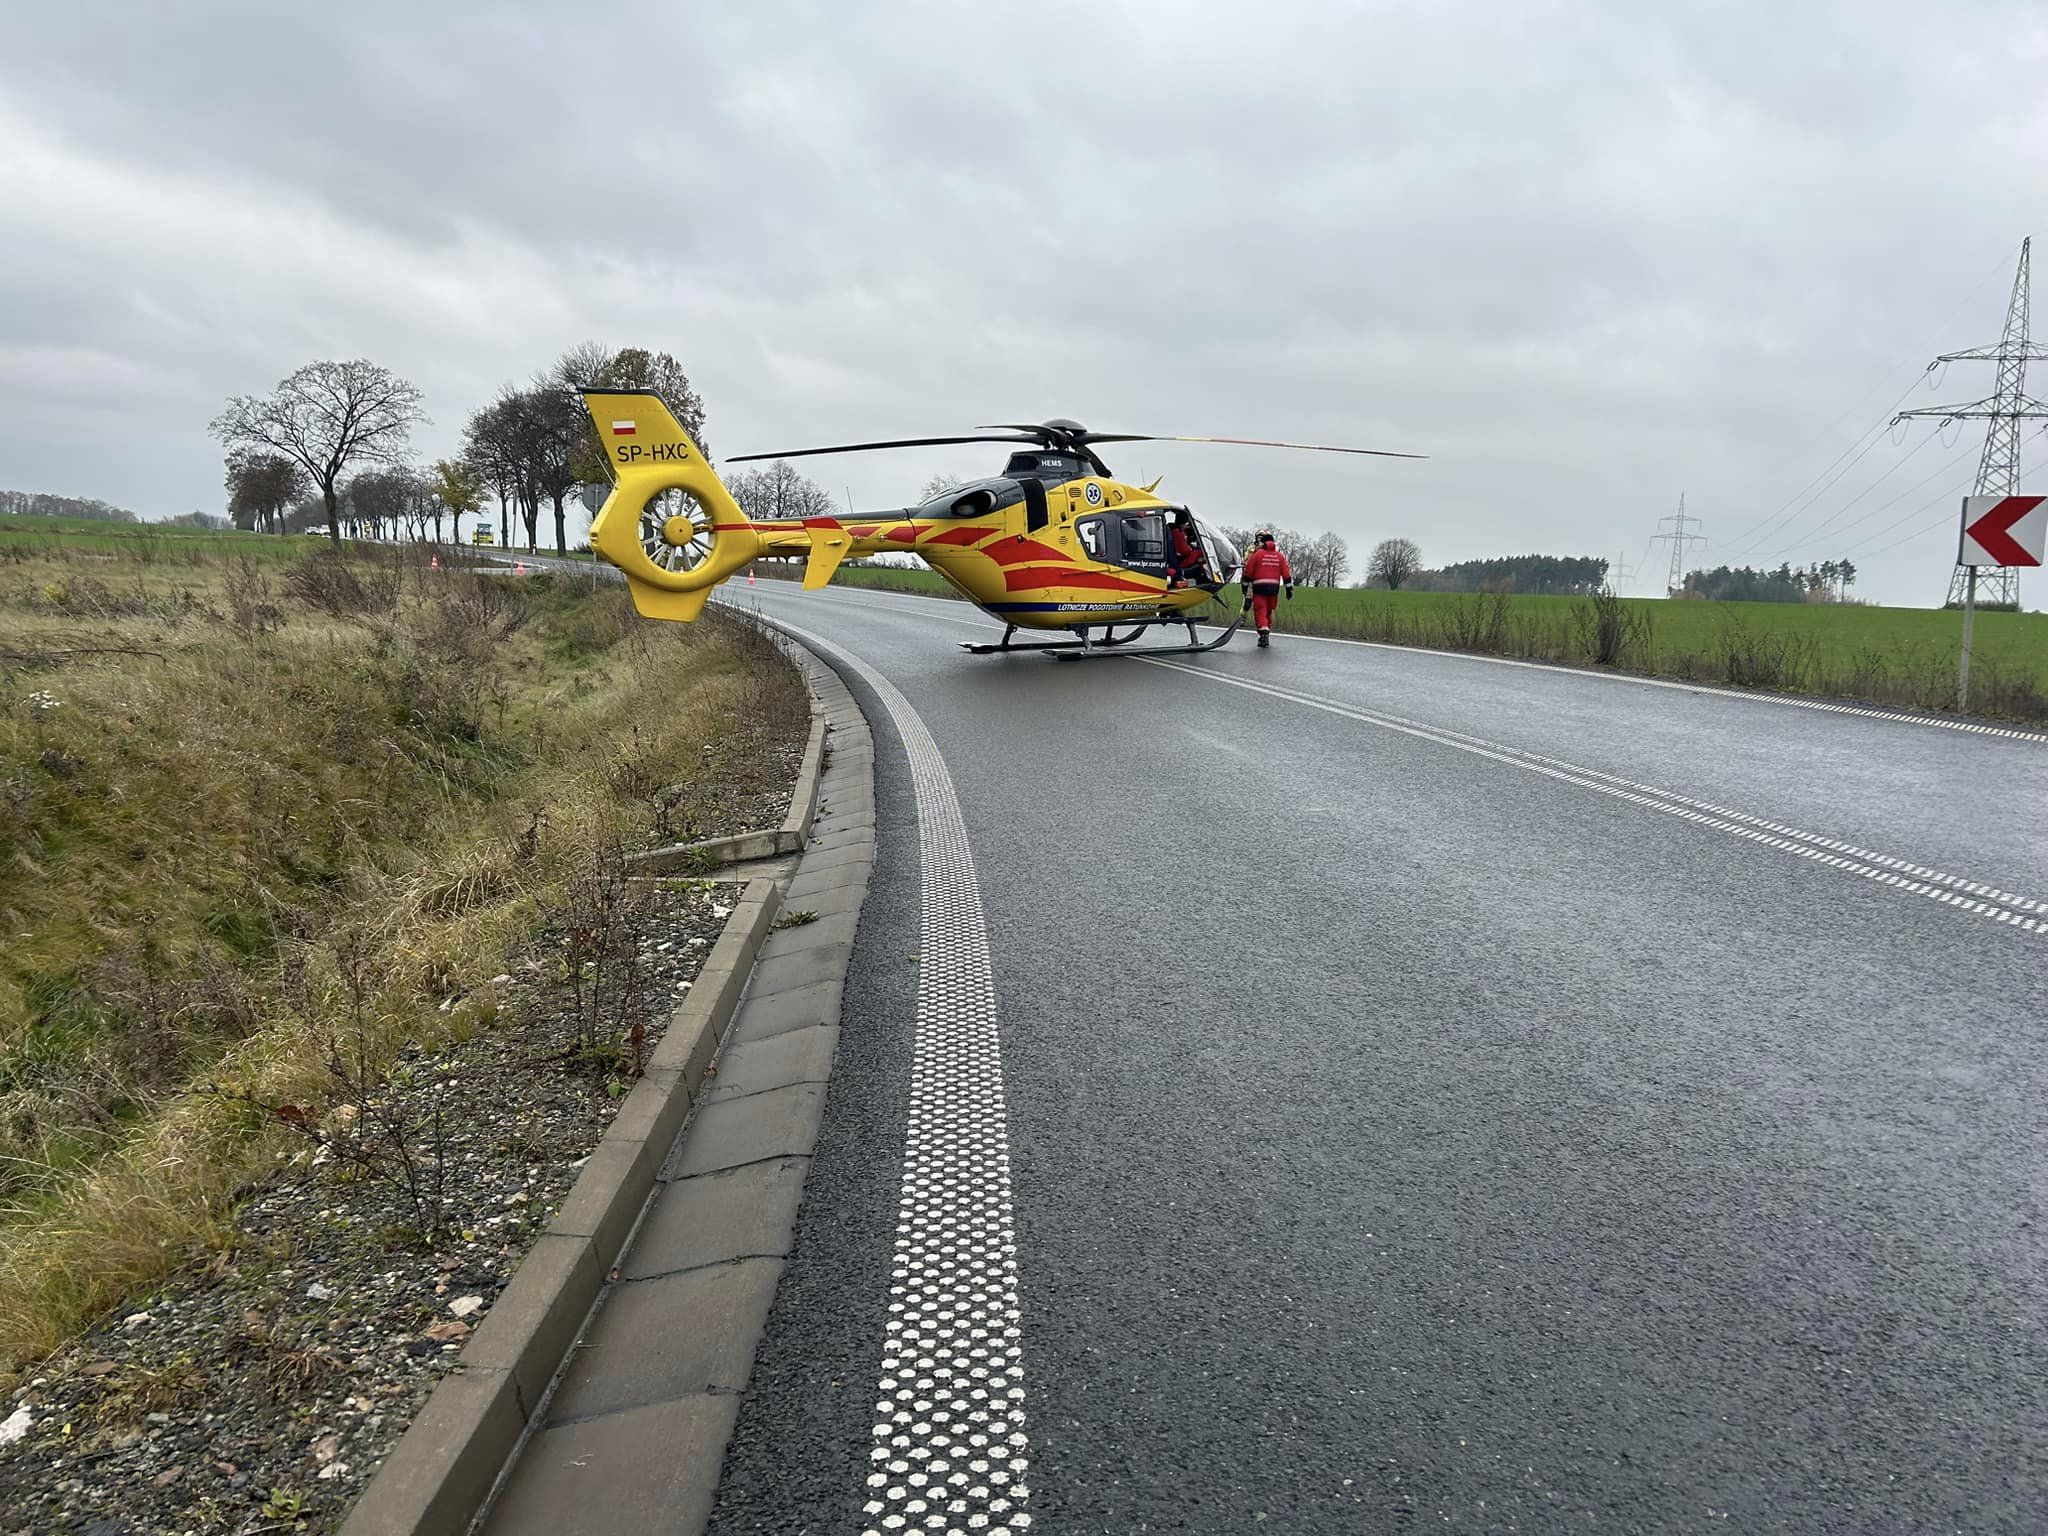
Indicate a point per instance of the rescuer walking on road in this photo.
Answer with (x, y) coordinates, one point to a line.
(1265, 571)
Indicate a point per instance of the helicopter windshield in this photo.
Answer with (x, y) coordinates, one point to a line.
(1223, 555)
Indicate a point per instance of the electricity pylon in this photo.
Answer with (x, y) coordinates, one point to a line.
(1998, 471)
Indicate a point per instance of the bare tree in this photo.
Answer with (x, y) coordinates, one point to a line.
(514, 441)
(380, 498)
(587, 364)
(490, 442)
(422, 505)
(936, 487)
(778, 492)
(1393, 561)
(560, 434)
(327, 417)
(262, 487)
(1323, 562)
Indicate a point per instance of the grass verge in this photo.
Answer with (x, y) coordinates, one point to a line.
(224, 775)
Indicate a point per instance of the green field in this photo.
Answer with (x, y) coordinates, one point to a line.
(1899, 656)
(140, 543)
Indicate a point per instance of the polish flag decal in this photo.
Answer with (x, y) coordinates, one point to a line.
(622, 429)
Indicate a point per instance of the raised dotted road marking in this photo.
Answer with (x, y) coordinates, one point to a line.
(2026, 913)
(950, 1454)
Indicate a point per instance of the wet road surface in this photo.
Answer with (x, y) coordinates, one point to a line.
(1444, 1094)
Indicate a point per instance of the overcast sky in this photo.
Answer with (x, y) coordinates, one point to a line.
(1586, 256)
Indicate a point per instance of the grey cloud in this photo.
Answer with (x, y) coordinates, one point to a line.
(1585, 255)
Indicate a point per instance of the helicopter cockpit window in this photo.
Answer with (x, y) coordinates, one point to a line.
(1124, 538)
(1144, 537)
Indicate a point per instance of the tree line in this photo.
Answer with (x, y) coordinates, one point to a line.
(1827, 582)
(43, 504)
(330, 448)
(1556, 575)
(1317, 560)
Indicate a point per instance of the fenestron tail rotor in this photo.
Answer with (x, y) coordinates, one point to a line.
(676, 531)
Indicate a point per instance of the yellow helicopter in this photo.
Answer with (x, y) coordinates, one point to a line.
(1053, 543)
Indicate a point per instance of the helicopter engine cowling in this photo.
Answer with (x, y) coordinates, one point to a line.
(974, 499)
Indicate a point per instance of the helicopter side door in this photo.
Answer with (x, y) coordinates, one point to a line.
(1134, 540)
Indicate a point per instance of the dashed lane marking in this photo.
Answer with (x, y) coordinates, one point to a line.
(2026, 913)
(950, 1454)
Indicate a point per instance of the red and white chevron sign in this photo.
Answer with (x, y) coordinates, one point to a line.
(2004, 530)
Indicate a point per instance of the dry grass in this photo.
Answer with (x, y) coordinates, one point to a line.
(211, 774)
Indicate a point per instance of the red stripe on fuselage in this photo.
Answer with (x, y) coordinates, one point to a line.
(1021, 577)
(1020, 549)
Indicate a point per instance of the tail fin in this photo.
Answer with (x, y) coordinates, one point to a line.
(670, 568)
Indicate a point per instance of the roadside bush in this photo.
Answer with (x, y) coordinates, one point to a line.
(342, 586)
(1478, 623)
(1763, 659)
(1610, 632)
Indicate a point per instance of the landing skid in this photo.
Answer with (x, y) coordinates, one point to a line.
(1112, 644)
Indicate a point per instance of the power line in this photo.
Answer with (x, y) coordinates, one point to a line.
(1749, 538)
(1868, 440)
(1917, 485)
(1945, 499)
(1811, 538)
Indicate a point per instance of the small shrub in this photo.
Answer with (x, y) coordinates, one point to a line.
(345, 588)
(1478, 623)
(1771, 659)
(1610, 632)
(251, 609)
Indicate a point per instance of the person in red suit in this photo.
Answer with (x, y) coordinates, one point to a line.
(1266, 571)
(1184, 552)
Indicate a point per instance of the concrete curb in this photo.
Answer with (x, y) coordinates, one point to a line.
(791, 837)
(443, 1469)
(632, 1434)
(803, 805)
(444, 1466)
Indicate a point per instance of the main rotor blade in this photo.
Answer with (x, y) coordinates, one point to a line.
(901, 442)
(1245, 442)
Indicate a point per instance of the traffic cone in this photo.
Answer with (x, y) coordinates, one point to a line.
(750, 575)
(433, 562)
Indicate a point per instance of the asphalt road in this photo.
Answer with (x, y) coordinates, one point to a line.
(1408, 1132)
